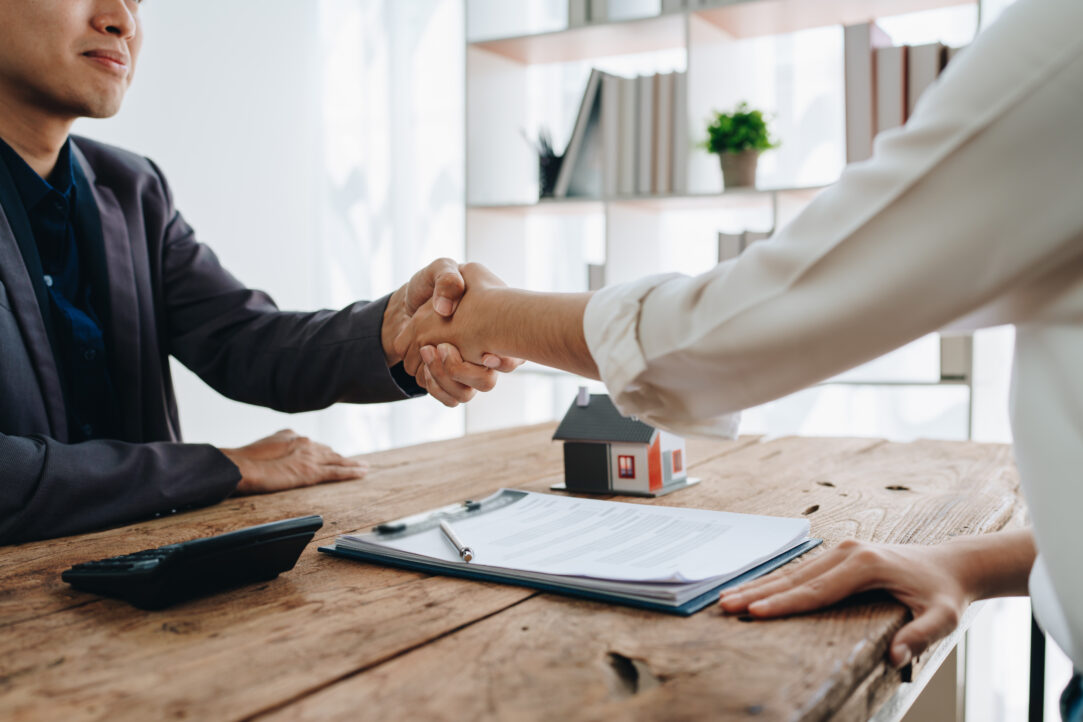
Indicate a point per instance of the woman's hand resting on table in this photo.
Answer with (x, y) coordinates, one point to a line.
(937, 583)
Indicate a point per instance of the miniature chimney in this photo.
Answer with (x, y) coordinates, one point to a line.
(583, 399)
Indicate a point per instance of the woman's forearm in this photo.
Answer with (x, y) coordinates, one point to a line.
(546, 328)
(995, 565)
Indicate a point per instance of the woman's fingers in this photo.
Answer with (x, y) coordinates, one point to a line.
(934, 623)
(737, 599)
(832, 586)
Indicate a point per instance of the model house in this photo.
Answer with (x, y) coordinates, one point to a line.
(606, 453)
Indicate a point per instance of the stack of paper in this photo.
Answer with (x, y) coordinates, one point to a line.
(664, 555)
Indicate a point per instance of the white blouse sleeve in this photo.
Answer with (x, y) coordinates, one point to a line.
(977, 196)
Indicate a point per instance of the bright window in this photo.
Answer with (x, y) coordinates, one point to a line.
(626, 467)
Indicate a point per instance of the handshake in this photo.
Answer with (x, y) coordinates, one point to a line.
(454, 327)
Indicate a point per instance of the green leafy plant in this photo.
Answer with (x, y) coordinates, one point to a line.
(743, 129)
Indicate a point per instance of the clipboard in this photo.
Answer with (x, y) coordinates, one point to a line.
(685, 610)
(468, 509)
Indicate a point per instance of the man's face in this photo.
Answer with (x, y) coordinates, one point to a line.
(68, 57)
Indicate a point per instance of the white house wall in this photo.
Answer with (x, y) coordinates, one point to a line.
(642, 480)
(670, 443)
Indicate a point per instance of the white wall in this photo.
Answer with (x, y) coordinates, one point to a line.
(317, 148)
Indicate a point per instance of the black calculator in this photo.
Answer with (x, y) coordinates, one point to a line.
(157, 578)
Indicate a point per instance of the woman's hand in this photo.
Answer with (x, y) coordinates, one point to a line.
(937, 583)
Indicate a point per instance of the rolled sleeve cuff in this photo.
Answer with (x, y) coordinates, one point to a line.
(611, 327)
(377, 382)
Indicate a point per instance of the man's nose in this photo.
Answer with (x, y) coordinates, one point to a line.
(115, 17)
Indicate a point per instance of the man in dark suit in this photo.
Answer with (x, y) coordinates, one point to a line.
(101, 280)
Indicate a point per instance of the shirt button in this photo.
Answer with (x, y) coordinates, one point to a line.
(89, 354)
(48, 280)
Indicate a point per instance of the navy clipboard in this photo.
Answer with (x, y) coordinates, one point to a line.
(687, 609)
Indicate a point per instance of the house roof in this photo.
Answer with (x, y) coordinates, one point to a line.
(600, 421)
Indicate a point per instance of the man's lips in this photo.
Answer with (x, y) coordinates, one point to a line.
(109, 59)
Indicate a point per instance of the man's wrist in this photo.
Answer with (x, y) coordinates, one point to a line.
(391, 325)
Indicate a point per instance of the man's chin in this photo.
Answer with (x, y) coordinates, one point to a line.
(100, 108)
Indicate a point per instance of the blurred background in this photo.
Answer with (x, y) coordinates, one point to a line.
(326, 150)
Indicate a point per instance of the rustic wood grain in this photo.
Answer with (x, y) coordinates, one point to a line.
(334, 639)
(549, 657)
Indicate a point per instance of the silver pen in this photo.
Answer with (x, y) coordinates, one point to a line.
(465, 552)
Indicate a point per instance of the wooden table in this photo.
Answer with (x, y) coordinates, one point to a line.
(334, 639)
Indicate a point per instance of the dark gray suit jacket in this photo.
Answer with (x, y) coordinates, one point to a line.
(167, 295)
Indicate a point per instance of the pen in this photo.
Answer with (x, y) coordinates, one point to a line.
(465, 552)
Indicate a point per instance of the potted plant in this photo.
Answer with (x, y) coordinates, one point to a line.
(738, 138)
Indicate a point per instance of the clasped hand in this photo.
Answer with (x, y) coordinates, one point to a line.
(431, 326)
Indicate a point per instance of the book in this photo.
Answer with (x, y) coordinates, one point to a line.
(859, 42)
(751, 237)
(891, 67)
(581, 170)
(595, 276)
(681, 148)
(665, 558)
(923, 65)
(628, 140)
(645, 145)
(610, 129)
(663, 133)
(949, 55)
(730, 246)
(578, 13)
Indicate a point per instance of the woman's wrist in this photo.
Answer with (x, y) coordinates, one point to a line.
(993, 565)
(546, 328)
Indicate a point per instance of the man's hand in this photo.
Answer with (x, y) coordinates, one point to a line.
(937, 583)
(439, 282)
(286, 461)
(465, 331)
(439, 287)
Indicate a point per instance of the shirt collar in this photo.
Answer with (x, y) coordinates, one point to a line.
(31, 186)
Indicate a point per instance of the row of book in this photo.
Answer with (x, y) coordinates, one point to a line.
(630, 138)
(583, 12)
(731, 245)
(884, 83)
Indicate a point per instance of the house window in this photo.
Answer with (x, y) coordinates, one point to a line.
(626, 467)
(678, 462)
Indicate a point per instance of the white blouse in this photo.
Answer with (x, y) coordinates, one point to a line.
(969, 216)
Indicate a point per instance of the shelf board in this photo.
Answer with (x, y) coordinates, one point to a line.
(534, 369)
(749, 18)
(660, 201)
(662, 32)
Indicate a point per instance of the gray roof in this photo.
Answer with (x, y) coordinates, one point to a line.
(601, 422)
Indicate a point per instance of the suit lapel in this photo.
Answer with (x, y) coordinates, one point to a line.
(29, 299)
(110, 259)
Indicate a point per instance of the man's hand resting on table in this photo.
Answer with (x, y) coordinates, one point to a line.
(286, 460)
(937, 583)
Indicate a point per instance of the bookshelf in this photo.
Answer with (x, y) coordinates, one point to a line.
(785, 56)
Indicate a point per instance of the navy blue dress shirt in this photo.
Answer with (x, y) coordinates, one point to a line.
(52, 206)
